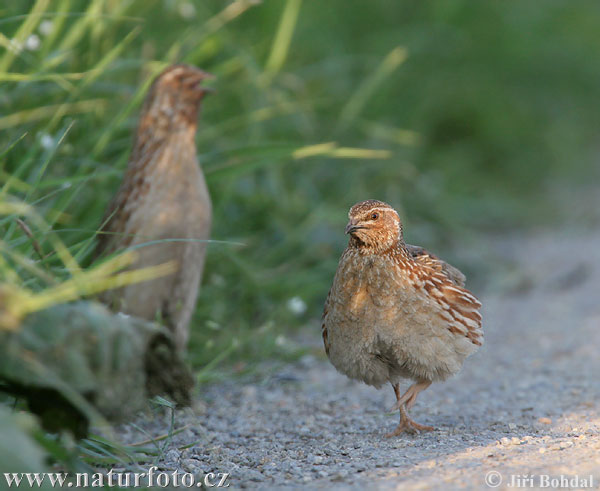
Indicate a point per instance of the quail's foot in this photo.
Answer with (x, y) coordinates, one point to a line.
(407, 425)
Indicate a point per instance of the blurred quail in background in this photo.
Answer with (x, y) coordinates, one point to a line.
(396, 311)
(163, 196)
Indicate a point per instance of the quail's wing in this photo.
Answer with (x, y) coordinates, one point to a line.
(443, 283)
(323, 322)
(426, 258)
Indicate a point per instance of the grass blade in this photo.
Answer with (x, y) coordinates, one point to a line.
(364, 92)
(283, 38)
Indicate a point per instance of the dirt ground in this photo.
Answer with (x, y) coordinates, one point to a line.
(524, 411)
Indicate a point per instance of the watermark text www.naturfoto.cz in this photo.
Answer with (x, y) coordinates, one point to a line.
(494, 479)
(153, 478)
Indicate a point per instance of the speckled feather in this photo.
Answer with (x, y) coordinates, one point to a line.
(163, 196)
(396, 311)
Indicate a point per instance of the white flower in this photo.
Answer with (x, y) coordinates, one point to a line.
(187, 10)
(32, 43)
(46, 27)
(46, 141)
(296, 306)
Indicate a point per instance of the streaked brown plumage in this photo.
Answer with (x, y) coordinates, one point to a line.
(163, 196)
(396, 311)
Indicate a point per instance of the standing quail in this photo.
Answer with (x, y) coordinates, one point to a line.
(396, 311)
(163, 196)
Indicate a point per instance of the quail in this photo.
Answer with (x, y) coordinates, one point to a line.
(163, 205)
(396, 311)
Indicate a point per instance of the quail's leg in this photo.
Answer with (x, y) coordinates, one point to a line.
(410, 396)
(406, 424)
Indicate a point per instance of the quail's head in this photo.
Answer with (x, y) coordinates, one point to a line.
(374, 226)
(176, 94)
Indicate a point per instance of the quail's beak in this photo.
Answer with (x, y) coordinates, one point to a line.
(352, 227)
(197, 78)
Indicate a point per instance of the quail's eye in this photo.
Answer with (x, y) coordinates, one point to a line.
(374, 216)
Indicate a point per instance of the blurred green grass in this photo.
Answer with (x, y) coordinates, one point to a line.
(465, 115)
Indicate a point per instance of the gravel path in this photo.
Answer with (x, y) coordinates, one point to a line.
(527, 404)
